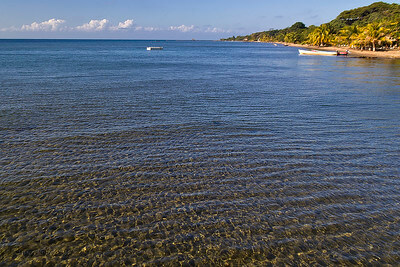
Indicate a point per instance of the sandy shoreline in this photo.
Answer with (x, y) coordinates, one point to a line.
(353, 52)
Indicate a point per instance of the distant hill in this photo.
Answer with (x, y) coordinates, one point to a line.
(374, 26)
(368, 14)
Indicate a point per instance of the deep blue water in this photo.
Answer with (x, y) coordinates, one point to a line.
(250, 153)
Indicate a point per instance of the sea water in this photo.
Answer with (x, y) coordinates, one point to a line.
(204, 153)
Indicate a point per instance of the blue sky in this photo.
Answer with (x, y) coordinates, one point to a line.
(160, 19)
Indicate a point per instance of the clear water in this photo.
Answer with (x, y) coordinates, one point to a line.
(204, 153)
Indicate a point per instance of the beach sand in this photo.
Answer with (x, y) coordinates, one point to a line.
(353, 52)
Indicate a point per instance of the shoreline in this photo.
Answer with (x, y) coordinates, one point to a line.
(395, 54)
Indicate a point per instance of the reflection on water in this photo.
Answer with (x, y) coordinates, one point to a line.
(379, 72)
(249, 155)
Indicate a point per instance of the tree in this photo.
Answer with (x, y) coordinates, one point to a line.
(393, 35)
(360, 40)
(297, 26)
(322, 35)
(347, 34)
(291, 37)
(374, 32)
(371, 26)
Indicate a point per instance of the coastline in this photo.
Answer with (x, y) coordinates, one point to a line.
(395, 54)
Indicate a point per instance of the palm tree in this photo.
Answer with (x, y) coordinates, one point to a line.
(291, 37)
(374, 33)
(322, 35)
(359, 40)
(393, 34)
(316, 37)
(347, 34)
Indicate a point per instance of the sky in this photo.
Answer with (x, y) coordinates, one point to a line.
(161, 19)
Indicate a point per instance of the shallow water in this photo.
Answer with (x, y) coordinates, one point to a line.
(204, 153)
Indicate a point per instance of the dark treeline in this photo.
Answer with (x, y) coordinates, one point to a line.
(376, 26)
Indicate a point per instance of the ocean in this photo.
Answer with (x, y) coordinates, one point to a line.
(204, 153)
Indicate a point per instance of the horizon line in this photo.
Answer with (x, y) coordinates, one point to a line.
(109, 39)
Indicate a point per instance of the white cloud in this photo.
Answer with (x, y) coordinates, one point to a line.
(192, 28)
(10, 29)
(94, 25)
(215, 30)
(127, 24)
(147, 29)
(54, 25)
(50, 25)
(182, 28)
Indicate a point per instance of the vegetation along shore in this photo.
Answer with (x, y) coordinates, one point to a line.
(370, 31)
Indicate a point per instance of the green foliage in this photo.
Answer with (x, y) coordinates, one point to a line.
(374, 33)
(322, 35)
(368, 14)
(291, 37)
(372, 26)
(294, 33)
(297, 26)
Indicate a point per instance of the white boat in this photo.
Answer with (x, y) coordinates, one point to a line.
(154, 48)
(318, 52)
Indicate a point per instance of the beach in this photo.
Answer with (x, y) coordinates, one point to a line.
(391, 54)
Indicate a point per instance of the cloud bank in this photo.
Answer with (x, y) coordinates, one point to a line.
(103, 25)
(192, 28)
(127, 24)
(147, 29)
(50, 25)
(94, 25)
(182, 28)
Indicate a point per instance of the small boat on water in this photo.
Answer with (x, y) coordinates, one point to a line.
(154, 48)
(318, 52)
(323, 53)
(345, 53)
